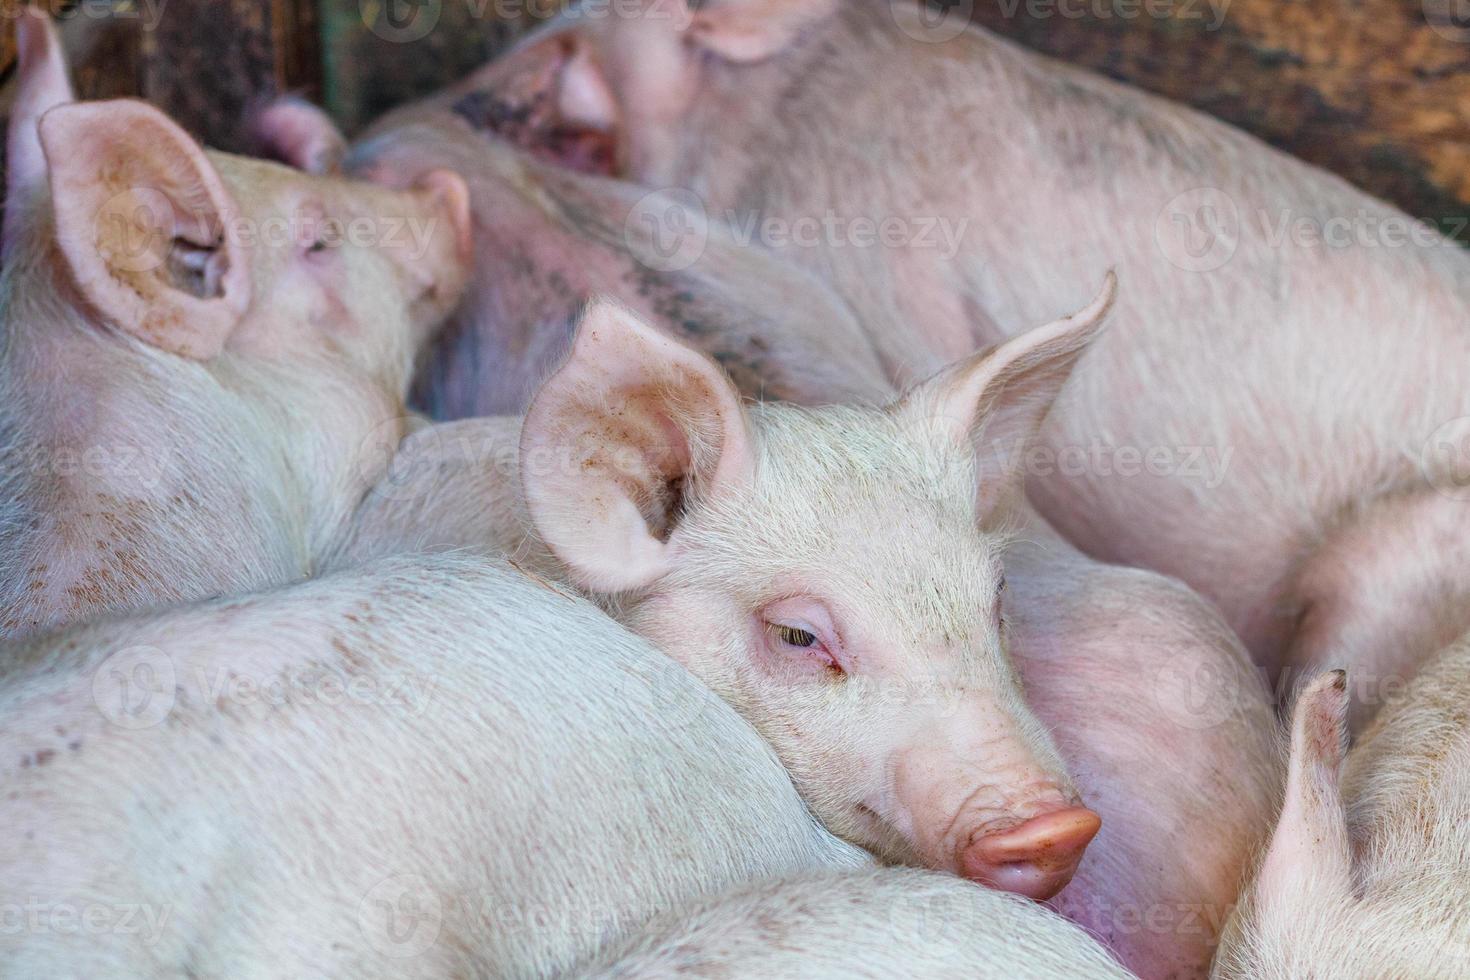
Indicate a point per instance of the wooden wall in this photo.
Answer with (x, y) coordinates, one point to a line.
(1376, 90)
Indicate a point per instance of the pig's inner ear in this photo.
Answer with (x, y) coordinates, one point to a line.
(300, 135)
(146, 225)
(617, 443)
(753, 30)
(996, 401)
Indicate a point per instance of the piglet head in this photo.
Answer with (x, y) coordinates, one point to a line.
(196, 253)
(833, 573)
(605, 90)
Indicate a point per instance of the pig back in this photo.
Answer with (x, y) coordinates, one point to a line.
(425, 767)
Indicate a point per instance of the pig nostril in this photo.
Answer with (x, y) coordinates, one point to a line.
(1037, 858)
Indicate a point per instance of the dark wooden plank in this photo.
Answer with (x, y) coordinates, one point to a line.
(379, 53)
(208, 62)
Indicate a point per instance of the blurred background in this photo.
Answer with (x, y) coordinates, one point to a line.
(1375, 90)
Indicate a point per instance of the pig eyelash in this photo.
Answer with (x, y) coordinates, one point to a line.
(804, 639)
(793, 636)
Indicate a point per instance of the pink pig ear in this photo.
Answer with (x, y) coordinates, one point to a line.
(997, 399)
(1309, 851)
(753, 30)
(631, 427)
(300, 135)
(41, 85)
(146, 225)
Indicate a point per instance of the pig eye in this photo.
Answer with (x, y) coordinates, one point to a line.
(792, 636)
(798, 633)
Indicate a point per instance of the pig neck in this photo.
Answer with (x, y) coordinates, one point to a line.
(1345, 356)
(131, 478)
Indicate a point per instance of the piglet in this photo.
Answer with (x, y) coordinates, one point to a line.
(547, 238)
(1278, 418)
(1117, 663)
(202, 352)
(427, 767)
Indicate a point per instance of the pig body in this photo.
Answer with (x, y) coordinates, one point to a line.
(1365, 876)
(428, 767)
(865, 924)
(194, 372)
(1273, 419)
(1153, 704)
(549, 238)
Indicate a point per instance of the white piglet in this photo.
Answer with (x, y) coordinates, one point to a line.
(201, 352)
(429, 767)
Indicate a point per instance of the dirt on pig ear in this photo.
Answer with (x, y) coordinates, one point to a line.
(617, 443)
(146, 225)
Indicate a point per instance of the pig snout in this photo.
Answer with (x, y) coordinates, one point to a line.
(1037, 858)
(1013, 823)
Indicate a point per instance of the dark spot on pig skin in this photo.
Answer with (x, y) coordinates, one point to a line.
(483, 110)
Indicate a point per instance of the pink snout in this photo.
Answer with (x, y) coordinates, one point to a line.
(1036, 858)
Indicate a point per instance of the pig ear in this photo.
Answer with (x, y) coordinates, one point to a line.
(41, 85)
(146, 225)
(997, 399)
(630, 428)
(1309, 849)
(300, 135)
(752, 30)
